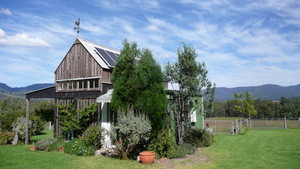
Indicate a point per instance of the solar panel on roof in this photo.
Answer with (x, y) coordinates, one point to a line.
(106, 57)
(113, 55)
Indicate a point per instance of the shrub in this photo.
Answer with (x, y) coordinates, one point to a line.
(59, 143)
(19, 127)
(244, 130)
(163, 145)
(36, 125)
(77, 147)
(199, 137)
(44, 143)
(183, 150)
(134, 131)
(92, 137)
(6, 137)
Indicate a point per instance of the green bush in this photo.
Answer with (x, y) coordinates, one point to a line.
(77, 147)
(163, 145)
(199, 137)
(244, 130)
(59, 143)
(44, 143)
(6, 137)
(92, 137)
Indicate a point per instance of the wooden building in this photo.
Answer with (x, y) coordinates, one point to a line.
(83, 75)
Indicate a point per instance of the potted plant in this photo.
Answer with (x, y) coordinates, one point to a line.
(32, 147)
(147, 157)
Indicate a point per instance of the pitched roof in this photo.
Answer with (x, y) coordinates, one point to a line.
(105, 56)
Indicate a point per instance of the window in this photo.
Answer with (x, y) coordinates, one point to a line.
(85, 84)
(74, 84)
(96, 83)
(70, 85)
(78, 84)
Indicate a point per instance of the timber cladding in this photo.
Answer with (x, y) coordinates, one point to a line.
(77, 63)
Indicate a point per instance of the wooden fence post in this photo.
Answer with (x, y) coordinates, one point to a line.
(285, 125)
(215, 126)
(299, 121)
(27, 122)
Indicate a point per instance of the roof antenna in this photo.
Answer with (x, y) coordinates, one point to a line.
(77, 27)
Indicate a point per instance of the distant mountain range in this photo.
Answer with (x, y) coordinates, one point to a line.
(19, 92)
(264, 92)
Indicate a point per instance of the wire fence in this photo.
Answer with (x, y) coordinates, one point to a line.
(235, 126)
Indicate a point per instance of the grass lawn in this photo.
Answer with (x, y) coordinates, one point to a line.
(257, 149)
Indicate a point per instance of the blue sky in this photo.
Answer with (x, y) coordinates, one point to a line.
(243, 43)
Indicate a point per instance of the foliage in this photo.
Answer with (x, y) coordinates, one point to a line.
(19, 127)
(163, 145)
(244, 130)
(77, 147)
(199, 137)
(183, 150)
(68, 118)
(137, 68)
(43, 144)
(92, 137)
(244, 104)
(75, 122)
(192, 80)
(37, 125)
(289, 108)
(85, 116)
(10, 110)
(44, 110)
(134, 131)
(6, 137)
(58, 143)
(124, 77)
(152, 98)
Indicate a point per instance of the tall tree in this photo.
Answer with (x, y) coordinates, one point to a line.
(192, 80)
(152, 99)
(138, 84)
(244, 104)
(124, 77)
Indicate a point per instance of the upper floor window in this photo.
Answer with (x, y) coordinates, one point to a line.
(84, 84)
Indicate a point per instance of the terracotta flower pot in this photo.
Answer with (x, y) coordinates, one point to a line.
(61, 149)
(147, 157)
(32, 148)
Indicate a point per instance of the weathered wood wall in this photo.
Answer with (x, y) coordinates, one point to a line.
(77, 63)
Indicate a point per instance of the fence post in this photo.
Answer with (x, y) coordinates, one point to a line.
(215, 126)
(233, 127)
(285, 125)
(299, 121)
(250, 123)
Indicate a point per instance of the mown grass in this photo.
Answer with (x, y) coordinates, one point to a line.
(257, 149)
(44, 134)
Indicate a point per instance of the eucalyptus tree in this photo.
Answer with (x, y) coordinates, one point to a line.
(244, 104)
(192, 80)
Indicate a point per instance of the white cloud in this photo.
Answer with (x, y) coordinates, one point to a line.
(21, 39)
(128, 4)
(5, 11)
